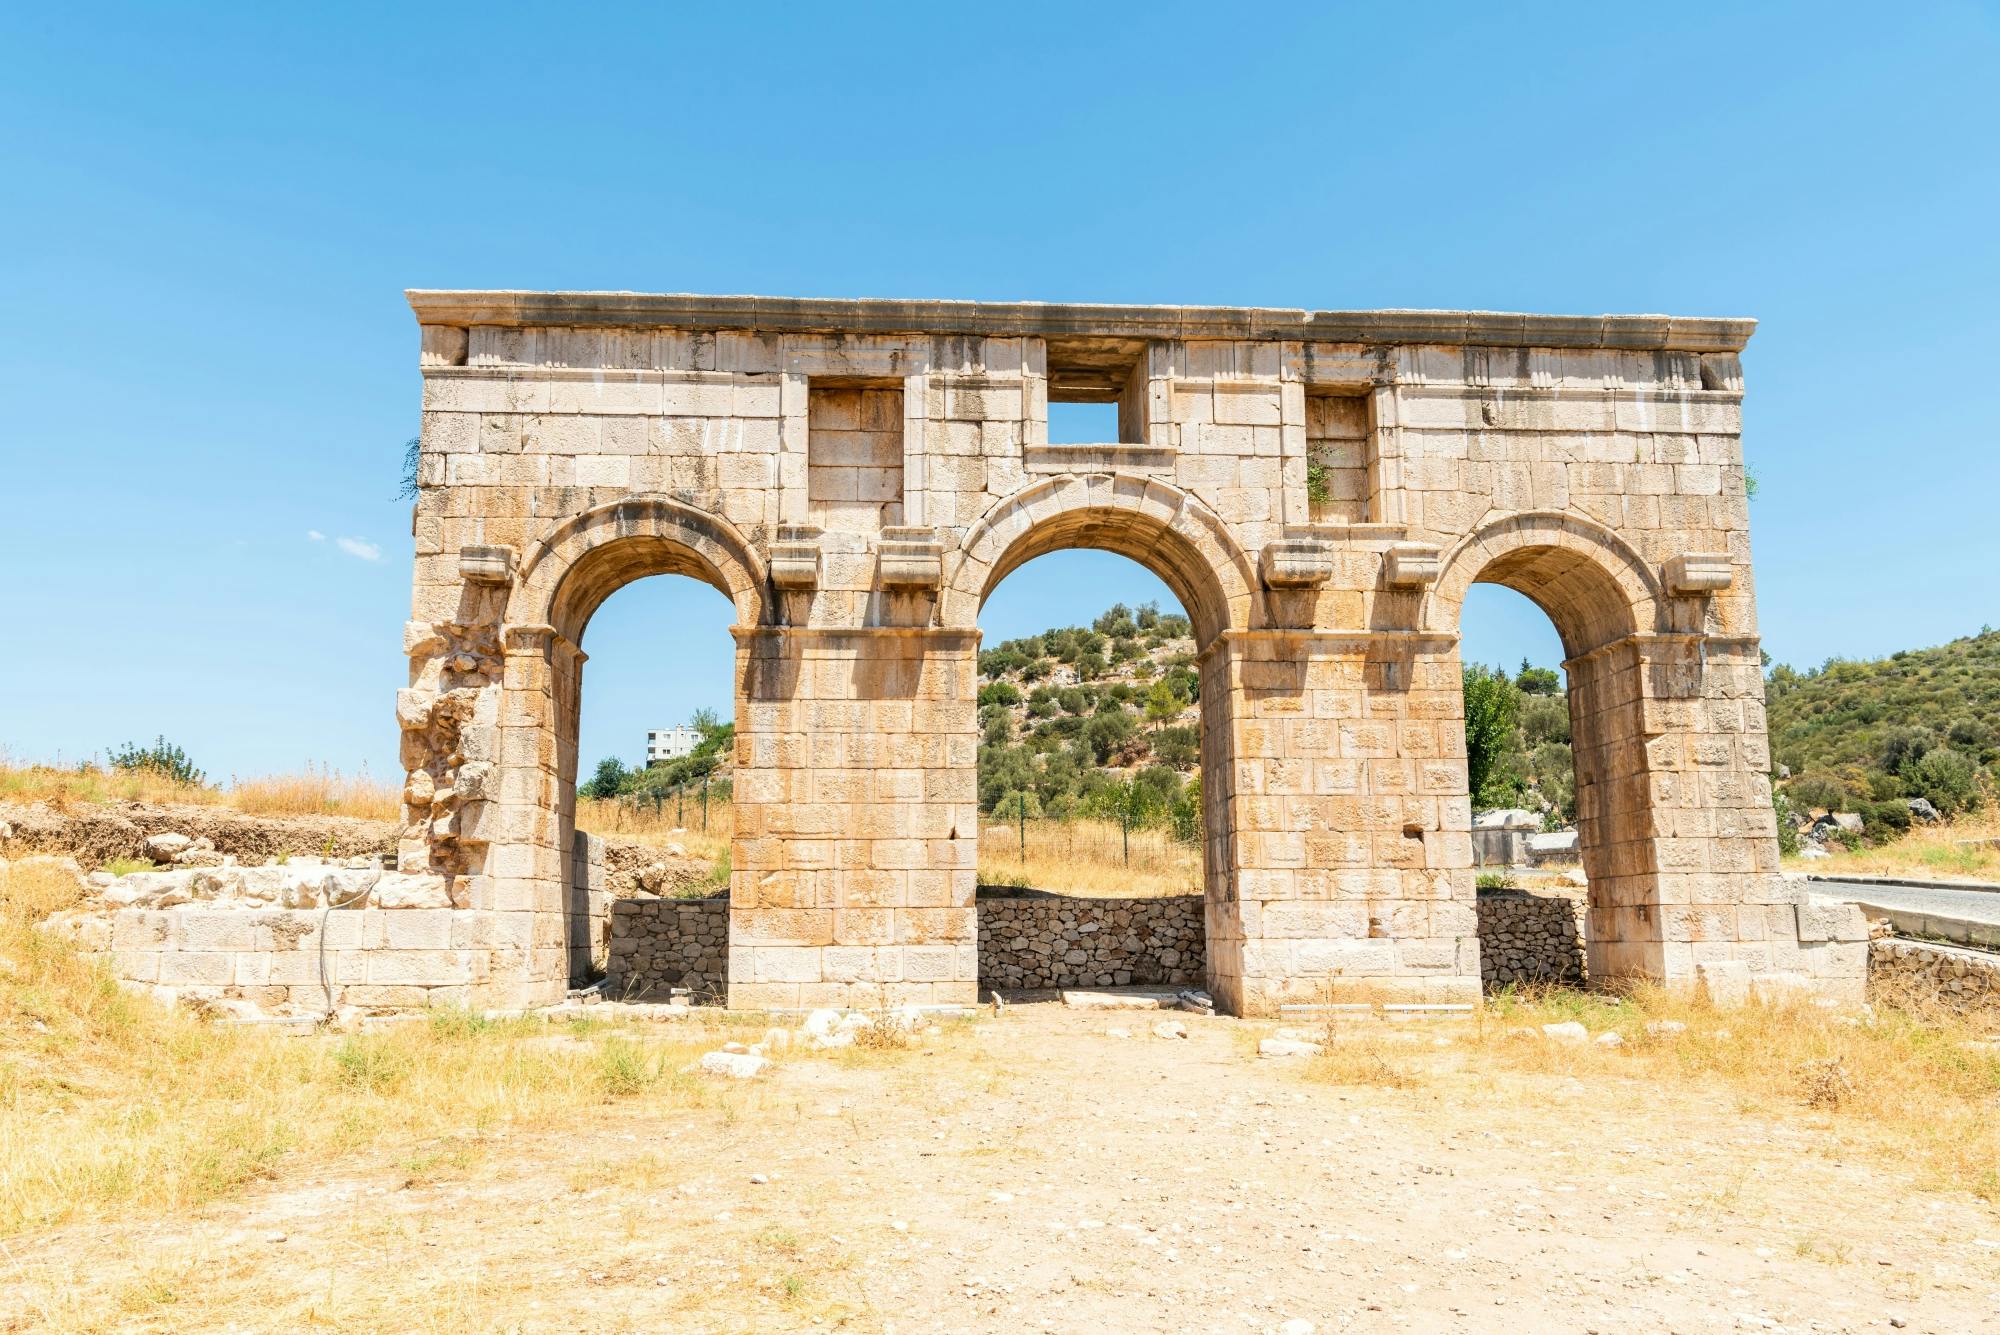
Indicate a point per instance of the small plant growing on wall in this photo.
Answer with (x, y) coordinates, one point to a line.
(1319, 480)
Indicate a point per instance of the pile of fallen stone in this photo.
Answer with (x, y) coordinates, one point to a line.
(821, 1029)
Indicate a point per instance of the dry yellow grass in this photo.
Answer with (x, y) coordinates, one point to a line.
(1920, 1088)
(111, 1103)
(1965, 849)
(1074, 858)
(314, 791)
(1088, 858)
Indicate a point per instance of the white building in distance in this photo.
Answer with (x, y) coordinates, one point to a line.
(664, 744)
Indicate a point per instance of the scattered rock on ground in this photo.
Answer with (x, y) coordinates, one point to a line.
(736, 1065)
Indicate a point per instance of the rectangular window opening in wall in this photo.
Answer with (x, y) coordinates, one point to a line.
(854, 455)
(1082, 423)
(1339, 432)
(1097, 391)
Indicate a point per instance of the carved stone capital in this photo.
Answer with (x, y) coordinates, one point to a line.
(486, 565)
(910, 558)
(1412, 565)
(795, 560)
(1297, 561)
(1700, 573)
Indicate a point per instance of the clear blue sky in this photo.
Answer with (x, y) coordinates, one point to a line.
(210, 213)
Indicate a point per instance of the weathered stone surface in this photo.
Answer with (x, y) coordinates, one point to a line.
(1926, 973)
(1526, 938)
(1386, 462)
(1065, 941)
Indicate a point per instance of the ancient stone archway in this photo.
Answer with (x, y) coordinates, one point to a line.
(1319, 488)
(1178, 538)
(512, 833)
(1163, 528)
(584, 559)
(1673, 824)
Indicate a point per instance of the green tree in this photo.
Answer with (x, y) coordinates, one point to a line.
(1538, 681)
(1492, 702)
(609, 780)
(1162, 703)
(1903, 747)
(1108, 731)
(1177, 746)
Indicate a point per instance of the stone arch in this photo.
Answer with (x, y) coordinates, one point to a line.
(1158, 525)
(588, 557)
(1592, 583)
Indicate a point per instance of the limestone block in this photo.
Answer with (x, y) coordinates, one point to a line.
(1297, 561)
(1700, 573)
(486, 564)
(1411, 565)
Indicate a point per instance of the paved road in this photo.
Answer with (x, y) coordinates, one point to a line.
(1972, 905)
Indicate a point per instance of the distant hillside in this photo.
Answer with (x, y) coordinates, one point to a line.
(1866, 736)
(1094, 721)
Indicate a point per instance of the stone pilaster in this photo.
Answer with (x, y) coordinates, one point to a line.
(857, 817)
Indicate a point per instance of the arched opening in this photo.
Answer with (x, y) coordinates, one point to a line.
(546, 863)
(1097, 731)
(1557, 763)
(646, 790)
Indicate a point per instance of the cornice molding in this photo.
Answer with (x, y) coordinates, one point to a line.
(1054, 320)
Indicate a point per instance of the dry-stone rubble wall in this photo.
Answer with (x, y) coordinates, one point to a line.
(1026, 941)
(1957, 976)
(1526, 938)
(94, 834)
(660, 944)
(1035, 941)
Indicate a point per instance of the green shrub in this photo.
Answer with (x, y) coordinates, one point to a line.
(1948, 778)
(162, 758)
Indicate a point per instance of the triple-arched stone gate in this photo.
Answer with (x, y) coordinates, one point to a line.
(1319, 489)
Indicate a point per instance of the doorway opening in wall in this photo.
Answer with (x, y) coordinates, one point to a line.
(646, 748)
(1521, 775)
(1092, 830)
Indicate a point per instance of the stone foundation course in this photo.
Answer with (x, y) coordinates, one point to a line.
(300, 938)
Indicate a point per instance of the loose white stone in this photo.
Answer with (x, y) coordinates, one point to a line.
(736, 1065)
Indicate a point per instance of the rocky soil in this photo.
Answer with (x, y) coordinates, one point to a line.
(182, 834)
(1035, 1172)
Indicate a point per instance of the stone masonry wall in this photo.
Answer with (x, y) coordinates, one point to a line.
(1526, 938)
(658, 944)
(857, 477)
(1026, 941)
(1956, 976)
(1061, 941)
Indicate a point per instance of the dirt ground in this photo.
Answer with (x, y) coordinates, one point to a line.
(1032, 1172)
